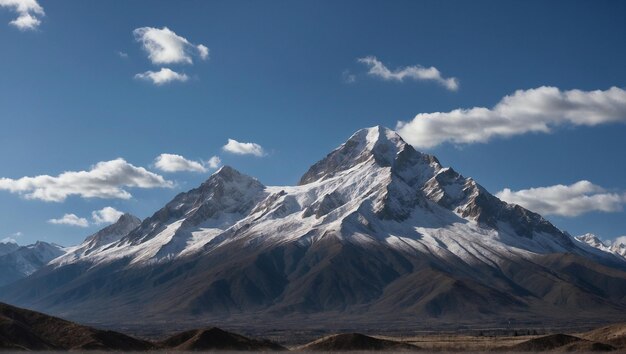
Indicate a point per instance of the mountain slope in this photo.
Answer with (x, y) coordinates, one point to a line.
(375, 231)
(100, 241)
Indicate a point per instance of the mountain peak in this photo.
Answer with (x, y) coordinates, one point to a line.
(380, 143)
(378, 136)
(127, 218)
(125, 224)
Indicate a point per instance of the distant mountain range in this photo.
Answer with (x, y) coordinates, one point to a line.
(17, 262)
(375, 233)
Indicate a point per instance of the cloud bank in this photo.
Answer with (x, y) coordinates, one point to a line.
(538, 110)
(571, 200)
(235, 147)
(416, 72)
(107, 180)
(28, 12)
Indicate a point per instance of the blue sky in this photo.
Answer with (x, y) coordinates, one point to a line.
(75, 90)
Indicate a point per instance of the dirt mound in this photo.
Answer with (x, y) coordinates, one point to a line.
(29, 330)
(355, 341)
(559, 342)
(216, 339)
(614, 335)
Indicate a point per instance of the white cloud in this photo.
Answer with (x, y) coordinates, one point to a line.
(620, 240)
(203, 51)
(235, 147)
(536, 110)
(122, 55)
(8, 240)
(166, 47)
(416, 72)
(70, 219)
(176, 163)
(573, 200)
(162, 76)
(106, 215)
(214, 162)
(28, 13)
(106, 180)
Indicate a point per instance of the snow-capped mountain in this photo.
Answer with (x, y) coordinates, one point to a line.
(374, 188)
(375, 227)
(616, 248)
(25, 260)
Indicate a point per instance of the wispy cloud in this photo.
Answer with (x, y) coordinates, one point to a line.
(236, 147)
(162, 76)
(348, 77)
(415, 72)
(106, 215)
(538, 110)
(71, 220)
(122, 55)
(177, 163)
(28, 12)
(565, 200)
(108, 179)
(214, 162)
(166, 47)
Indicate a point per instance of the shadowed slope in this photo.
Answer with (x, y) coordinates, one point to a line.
(29, 330)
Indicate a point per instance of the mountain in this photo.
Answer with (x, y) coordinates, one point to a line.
(22, 329)
(18, 262)
(616, 248)
(376, 233)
